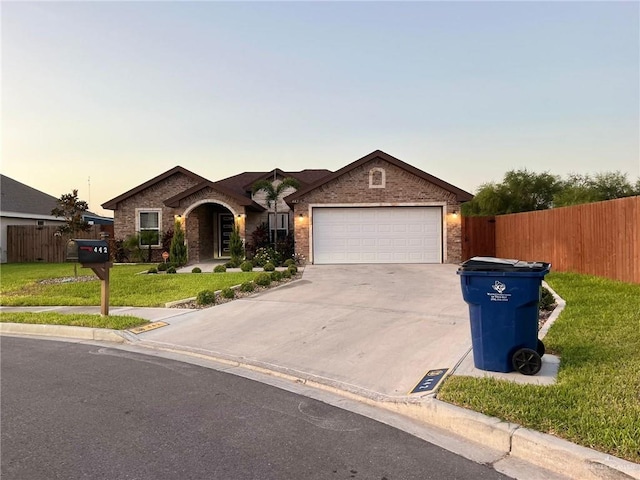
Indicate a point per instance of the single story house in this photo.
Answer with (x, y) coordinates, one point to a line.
(377, 209)
(21, 204)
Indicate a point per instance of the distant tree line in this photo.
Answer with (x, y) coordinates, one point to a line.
(523, 191)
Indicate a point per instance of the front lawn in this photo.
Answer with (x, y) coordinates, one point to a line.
(20, 285)
(596, 400)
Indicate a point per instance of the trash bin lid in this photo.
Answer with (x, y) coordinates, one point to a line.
(492, 264)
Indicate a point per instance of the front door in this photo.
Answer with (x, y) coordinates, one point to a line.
(226, 228)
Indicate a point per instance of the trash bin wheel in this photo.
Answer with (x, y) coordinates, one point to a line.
(540, 348)
(526, 361)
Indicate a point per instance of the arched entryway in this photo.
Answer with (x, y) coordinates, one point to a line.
(209, 225)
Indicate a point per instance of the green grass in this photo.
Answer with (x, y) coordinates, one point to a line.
(19, 285)
(116, 322)
(596, 400)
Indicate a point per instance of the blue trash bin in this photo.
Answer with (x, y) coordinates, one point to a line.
(503, 297)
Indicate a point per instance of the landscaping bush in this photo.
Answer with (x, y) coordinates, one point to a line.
(178, 250)
(152, 270)
(546, 299)
(293, 270)
(234, 263)
(246, 266)
(162, 267)
(266, 255)
(220, 269)
(276, 276)
(196, 270)
(286, 274)
(269, 267)
(247, 287)
(171, 270)
(263, 279)
(228, 293)
(289, 262)
(206, 297)
(236, 246)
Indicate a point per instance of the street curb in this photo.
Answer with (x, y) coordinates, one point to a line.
(80, 333)
(539, 449)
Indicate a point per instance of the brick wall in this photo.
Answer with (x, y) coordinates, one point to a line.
(400, 187)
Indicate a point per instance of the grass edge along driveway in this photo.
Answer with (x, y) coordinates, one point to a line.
(596, 400)
(114, 322)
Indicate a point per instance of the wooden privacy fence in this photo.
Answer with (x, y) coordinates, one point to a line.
(30, 243)
(600, 238)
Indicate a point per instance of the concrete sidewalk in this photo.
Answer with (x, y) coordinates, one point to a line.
(367, 332)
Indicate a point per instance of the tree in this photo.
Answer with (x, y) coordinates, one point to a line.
(579, 188)
(520, 191)
(274, 195)
(178, 250)
(71, 209)
(236, 247)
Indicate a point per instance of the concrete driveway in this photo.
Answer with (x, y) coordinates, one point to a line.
(369, 329)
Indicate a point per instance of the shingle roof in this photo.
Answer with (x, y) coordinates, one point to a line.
(16, 197)
(237, 186)
(461, 195)
(20, 198)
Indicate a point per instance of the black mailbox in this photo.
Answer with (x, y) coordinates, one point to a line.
(87, 251)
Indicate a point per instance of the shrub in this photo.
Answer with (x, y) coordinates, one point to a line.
(246, 266)
(206, 297)
(289, 262)
(232, 263)
(236, 247)
(162, 267)
(247, 287)
(276, 276)
(228, 293)
(220, 269)
(178, 250)
(171, 270)
(546, 299)
(293, 270)
(263, 279)
(196, 270)
(152, 270)
(286, 274)
(266, 255)
(269, 267)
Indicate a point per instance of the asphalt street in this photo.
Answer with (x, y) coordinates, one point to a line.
(73, 411)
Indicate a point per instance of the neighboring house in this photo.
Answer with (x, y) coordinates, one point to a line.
(24, 205)
(377, 209)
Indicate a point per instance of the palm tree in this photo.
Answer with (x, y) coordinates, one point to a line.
(273, 196)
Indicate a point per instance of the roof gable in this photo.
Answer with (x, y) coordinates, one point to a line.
(113, 203)
(461, 195)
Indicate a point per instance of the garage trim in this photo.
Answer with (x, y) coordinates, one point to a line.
(442, 205)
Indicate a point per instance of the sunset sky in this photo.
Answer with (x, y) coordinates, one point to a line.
(120, 92)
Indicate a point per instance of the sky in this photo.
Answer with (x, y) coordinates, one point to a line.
(103, 96)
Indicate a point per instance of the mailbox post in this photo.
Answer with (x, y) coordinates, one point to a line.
(93, 254)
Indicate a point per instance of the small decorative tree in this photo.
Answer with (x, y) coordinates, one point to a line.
(178, 250)
(71, 209)
(274, 195)
(236, 246)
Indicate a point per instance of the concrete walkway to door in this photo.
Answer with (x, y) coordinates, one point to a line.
(369, 329)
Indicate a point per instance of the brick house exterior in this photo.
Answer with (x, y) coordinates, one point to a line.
(208, 209)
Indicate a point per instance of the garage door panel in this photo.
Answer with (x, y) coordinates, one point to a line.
(377, 235)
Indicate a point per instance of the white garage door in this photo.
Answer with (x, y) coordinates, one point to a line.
(377, 235)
